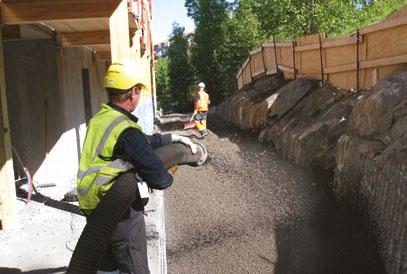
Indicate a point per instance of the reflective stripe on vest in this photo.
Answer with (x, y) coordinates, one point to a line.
(102, 143)
(102, 180)
(97, 171)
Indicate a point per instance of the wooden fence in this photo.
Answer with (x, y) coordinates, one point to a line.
(356, 61)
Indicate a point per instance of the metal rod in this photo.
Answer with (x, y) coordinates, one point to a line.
(357, 59)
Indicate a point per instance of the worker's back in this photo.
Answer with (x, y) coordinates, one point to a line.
(204, 101)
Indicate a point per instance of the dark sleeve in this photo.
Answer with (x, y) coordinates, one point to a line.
(158, 140)
(133, 146)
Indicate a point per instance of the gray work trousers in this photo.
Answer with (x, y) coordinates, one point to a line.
(127, 250)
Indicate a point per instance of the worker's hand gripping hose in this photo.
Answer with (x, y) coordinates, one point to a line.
(102, 223)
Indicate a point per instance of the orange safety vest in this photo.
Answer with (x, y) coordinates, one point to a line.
(204, 101)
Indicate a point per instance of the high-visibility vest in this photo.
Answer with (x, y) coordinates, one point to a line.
(97, 170)
(203, 101)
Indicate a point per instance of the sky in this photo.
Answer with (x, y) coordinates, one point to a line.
(165, 12)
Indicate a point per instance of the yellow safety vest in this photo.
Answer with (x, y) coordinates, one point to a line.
(97, 170)
(203, 101)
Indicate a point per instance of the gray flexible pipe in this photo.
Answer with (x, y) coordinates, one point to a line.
(103, 221)
(180, 154)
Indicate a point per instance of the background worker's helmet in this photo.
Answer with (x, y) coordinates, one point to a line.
(123, 76)
(201, 85)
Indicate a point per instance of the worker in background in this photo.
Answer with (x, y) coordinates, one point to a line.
(201, 103)
(113, 139)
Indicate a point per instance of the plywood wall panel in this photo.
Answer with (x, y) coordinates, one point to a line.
(343, 80)
(247, 78)
(310, 62)
(269, 59)
(257, 64)
(286, 57)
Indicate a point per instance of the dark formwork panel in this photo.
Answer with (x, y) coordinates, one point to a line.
(32, 94)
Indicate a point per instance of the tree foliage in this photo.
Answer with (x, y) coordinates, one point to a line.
(179, 69)
(210, 17)
(164, 96)
(227, 30)
(293, 18)
(242, 34)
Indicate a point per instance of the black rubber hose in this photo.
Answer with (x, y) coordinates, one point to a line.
(177, 154)
(103, 221)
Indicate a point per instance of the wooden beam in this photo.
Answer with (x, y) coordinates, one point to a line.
(70, 39)
(340, 68)
(29, 11)
(11, 33)
(268, 44)
(285, 68)
(387, 61)
(338, 42)
(306, 47)
(8, 209)
(119, 33)
(104, 55)
(245, 63)
(257, 50)
(284, 44)
(398, 21)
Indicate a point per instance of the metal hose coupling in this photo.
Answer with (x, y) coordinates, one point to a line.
(203, 153)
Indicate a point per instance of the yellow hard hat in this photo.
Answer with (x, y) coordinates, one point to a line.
(123, 76)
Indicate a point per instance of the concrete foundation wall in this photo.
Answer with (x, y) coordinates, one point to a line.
(46, 105)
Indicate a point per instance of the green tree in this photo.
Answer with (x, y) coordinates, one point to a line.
(179, 69)
(242, 35)
(210, 18)
(288, 19)
(164, 98)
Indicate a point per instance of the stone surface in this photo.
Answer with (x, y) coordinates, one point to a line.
(363, 136)
(307, 134)
(248, 108)
(371, 171)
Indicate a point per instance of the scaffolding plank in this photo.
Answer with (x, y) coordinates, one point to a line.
(85, 38)
(28, 11)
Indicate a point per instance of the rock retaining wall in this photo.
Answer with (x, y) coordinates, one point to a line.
(361, 136)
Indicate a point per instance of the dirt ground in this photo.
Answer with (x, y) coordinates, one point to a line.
(248, 210)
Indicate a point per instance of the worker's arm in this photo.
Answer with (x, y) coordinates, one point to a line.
(158, 140)
(133, 146)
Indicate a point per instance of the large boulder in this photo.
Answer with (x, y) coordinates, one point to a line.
(248, 108)
(371, 170)
(305, 126)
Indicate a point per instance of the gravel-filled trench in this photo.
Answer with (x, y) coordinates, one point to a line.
(248, 210)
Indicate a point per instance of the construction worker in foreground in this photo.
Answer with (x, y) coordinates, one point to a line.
(201, 102)
(113, 140)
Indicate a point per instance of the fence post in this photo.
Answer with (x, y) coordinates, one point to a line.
(275, 52)
(320, 56)
(295, 72)
(250, 67)
(264, 62)
(357, 59)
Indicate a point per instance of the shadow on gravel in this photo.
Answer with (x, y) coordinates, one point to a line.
(325, 240)
(329, 240)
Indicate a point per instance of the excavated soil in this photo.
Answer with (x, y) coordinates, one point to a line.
(248, 210)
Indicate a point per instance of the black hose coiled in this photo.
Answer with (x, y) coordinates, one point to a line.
(103, 221)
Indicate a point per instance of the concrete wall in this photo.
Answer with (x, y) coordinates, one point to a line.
(46, 105)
